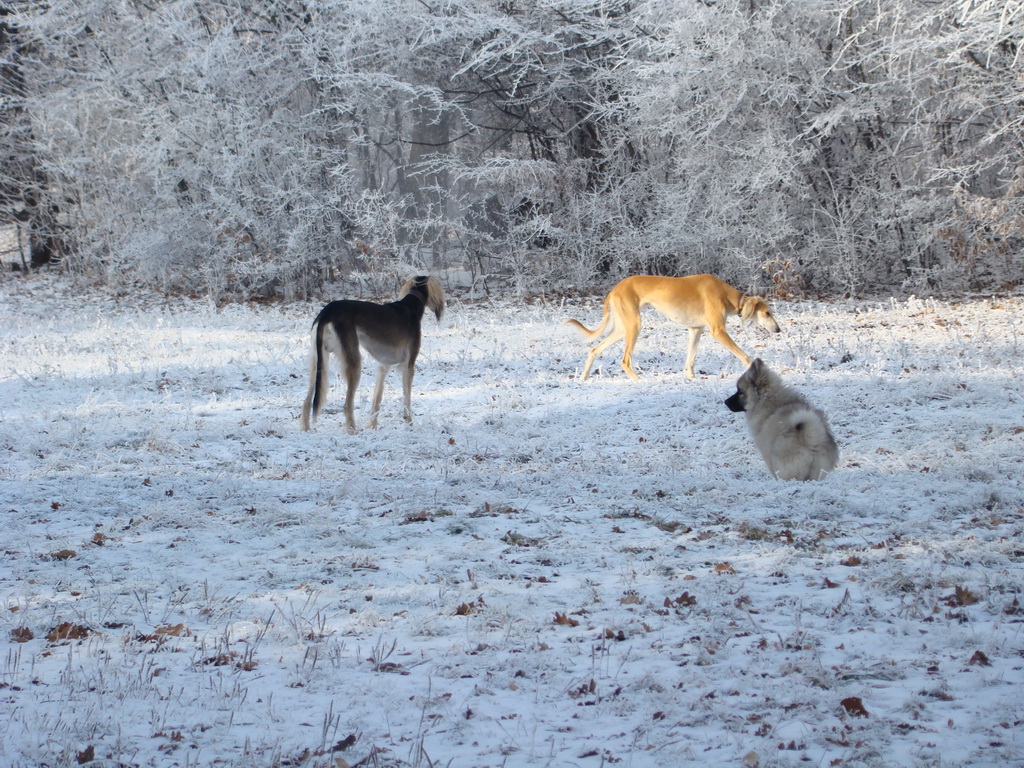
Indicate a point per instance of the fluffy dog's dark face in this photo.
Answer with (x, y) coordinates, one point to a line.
(738, 402)
(748, 383)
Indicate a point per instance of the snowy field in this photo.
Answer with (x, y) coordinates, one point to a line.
(538, 572)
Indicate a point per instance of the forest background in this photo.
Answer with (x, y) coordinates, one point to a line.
(253, 149)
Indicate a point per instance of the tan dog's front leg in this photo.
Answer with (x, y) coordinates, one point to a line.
(631, 335)
(726, 341)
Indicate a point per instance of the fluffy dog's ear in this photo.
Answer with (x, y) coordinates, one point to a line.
(760, 375)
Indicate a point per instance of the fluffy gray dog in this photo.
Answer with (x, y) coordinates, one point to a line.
(791, 434)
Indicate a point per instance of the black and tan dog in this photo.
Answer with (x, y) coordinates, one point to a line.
(389, 332)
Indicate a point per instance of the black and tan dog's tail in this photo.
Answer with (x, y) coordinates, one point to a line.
(318, 378)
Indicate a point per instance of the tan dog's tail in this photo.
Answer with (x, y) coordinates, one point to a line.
(591, 334)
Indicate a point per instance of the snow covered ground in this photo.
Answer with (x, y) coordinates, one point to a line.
(538, 572)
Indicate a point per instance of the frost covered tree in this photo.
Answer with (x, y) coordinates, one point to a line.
(25, 195)
(531, 81)
(240, 147)
(982, 137)
(823, 146)
(185, 141)
(923, 128)
(237, 148)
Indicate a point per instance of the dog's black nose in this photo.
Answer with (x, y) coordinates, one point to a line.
(735, 403)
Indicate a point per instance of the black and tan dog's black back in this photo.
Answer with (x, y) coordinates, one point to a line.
(390, 333)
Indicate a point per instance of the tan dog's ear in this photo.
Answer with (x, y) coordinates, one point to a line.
(748, 308)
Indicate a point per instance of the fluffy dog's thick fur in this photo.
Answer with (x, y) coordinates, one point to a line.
(389, 332)
(696, 301)
(791, 434)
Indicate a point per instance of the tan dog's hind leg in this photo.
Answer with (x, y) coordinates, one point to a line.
(596, 351)
(630, 317)
(691, 351)
(606, 319)
(623, 318)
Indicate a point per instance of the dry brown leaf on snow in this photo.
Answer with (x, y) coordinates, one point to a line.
(67, 631)
(685, 600)
(177, 630)
(854, 706)
(21, 635)
(961, 596)
(564, 620)
(979, 659)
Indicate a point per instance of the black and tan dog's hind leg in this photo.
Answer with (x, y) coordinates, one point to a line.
(390, 333)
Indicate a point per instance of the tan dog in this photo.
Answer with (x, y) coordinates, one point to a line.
(697, 301)
(389, 332)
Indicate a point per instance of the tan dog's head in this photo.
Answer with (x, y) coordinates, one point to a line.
(755, 309)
